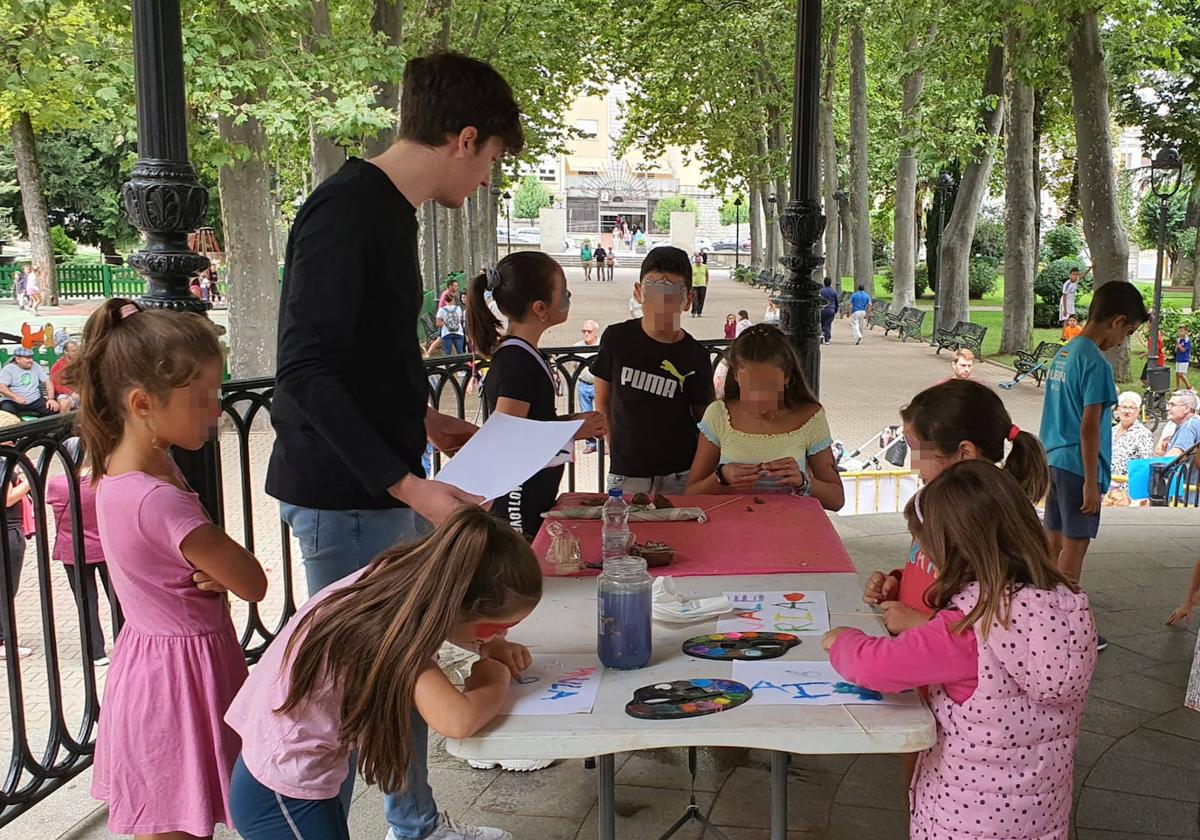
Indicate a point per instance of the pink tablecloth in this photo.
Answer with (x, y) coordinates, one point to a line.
(782, 535)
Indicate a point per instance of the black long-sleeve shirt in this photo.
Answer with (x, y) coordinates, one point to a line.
(350, 389)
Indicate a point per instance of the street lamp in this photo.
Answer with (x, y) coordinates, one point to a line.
(770, 235)
(1166, 171)
(495, 249)
(508, 218)
(945, 183)
(437, 277)
(737, 233)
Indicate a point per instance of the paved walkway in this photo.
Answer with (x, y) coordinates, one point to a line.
(1138, 765)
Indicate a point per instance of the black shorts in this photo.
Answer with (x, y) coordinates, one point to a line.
(1063, 501)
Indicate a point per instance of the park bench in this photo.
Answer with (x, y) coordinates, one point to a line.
(880, 315)
(1036, 363)
(907, 323)
(963, 334)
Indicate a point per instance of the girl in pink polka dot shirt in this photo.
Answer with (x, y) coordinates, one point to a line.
(1008, 658)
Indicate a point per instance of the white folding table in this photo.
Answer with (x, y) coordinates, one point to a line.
(565, 622)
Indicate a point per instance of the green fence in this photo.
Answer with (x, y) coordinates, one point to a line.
(81, 282)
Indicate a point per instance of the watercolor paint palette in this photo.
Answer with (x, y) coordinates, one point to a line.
(730, 646)
(686, 699)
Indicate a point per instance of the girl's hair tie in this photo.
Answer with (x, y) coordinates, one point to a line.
(1013, 432)
(493, 278)
(127, 310)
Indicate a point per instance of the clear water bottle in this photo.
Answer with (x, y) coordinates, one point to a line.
(615, 538)
(624, 603)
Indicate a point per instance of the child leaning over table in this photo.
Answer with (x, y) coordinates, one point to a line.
(653, 382)
(1008, 660)
(769, 433)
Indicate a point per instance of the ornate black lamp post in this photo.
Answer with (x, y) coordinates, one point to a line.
(737, 233)
(771, 219)
(1166, 171)
(508, 219)
(803, 222)
(437, 276)
(945, 183)
(834, 263)
(165, 201)
(162, 197)
(495, 249)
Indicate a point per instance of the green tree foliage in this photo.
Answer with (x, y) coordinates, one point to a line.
(530, 197)
(672, 204)
(1181, 237)
(1062, 241)
(730, 213)
(64, 245)
(982, 278)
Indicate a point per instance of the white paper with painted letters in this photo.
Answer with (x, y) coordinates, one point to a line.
(817, 683)
(556, 684)
(801, 613)
(505, 452)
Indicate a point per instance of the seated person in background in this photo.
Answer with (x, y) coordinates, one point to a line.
(1182, 408)
(1071, 329)
(21, 382)
(63, 393)
(769, 433)
(963, 364)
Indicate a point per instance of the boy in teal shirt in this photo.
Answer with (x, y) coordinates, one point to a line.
(1079, 395)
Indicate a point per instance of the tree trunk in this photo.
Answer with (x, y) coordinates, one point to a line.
(248, 217)
(456, 253)
(756, 238)
(1070, 210)
(904, 264)
(860, 186)
(829, 161)
(33, 203)
(769, 252)
(972, 189)
(388, 19)
(1183, 270)
(1103, 227)
(1020, 207)
(1039, 124)
(325, 157)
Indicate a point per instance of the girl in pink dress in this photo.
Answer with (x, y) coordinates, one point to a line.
(150, 380)
(1008, 659)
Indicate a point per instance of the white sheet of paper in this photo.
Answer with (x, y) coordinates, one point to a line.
(799, 613)
(505, 452)
(797, 683)
(566, 684)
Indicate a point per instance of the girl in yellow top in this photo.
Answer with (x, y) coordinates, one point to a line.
(769, 433)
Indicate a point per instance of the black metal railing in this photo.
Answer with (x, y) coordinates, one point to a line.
(38, 449)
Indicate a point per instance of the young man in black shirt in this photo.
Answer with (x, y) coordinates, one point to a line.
(346, 466)
(654, 381)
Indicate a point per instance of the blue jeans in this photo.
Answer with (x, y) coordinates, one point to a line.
(454, 344)
(260, 813)
(585, 398)
(335, 543)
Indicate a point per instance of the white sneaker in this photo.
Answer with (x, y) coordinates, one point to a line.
(22, 651)
(514, 765)
(101, 662)
(448, 829)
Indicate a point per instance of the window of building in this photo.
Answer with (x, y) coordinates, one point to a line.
(589, 129)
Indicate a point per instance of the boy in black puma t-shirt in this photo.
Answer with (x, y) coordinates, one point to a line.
(654, 381)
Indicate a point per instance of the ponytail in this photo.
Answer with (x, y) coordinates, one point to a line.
(126, 347)
(517, 282)
(959, 410)
(483, 327)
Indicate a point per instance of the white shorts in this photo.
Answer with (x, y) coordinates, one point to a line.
(1182, 367)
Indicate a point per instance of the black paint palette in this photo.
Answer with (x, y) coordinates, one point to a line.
(751, 646)
(686, 698)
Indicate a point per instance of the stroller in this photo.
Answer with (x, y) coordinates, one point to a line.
(892, 449)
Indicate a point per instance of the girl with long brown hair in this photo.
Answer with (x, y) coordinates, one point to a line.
(148, 381)
(769, 433)
(1008, 659)
(347, 673)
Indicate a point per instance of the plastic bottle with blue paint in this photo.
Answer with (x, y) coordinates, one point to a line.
(623, 602)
